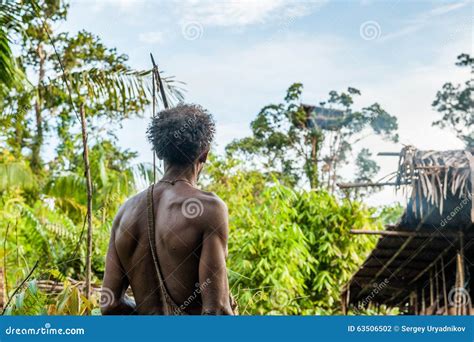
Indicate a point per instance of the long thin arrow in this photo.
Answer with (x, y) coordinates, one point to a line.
(156, 73)
(156, 81)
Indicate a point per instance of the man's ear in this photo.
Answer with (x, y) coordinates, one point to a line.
(203, 157)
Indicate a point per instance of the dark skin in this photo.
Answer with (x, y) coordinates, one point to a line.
(190, 250)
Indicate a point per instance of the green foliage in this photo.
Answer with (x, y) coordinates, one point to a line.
(10, 21)
(287, 141)
(43, 205)
(290, 251)
(390, 214)
(16, 174)
(367, 168)
(32, 301)
(327, 223)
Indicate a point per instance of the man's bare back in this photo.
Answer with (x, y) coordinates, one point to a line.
(191, 231)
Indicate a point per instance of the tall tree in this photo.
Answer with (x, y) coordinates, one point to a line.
(39, 17)
(82, 91)
(456, 104)
(297, 141)
(101, 88)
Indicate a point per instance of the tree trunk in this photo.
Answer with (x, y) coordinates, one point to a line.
(313, 179)
(89, 200)
(38, 139)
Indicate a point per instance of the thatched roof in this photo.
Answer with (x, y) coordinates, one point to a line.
(435, 178)
(440, 207)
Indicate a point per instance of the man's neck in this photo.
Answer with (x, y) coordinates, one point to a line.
(189, 173)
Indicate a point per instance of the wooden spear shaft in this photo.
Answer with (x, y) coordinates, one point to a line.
(159, 82)
(89, 199)
(153, 115)
(156, 80)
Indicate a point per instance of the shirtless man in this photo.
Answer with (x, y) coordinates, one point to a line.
(186, 273)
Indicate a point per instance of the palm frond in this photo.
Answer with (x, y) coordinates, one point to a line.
(16, 175)
(9, 22)
(119, 86)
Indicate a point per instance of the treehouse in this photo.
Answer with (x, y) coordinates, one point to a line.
(424, 264)
(325, 118)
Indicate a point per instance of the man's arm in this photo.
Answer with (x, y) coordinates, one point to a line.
(212, 267)
(114, 301)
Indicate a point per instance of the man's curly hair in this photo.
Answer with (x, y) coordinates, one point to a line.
(181, 134)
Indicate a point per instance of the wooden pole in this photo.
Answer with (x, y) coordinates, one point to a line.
(461, 270)
(153, 116)
(445, 291)
(4, 278)
(89, 200)
(343, 303)
(404, 233)
(437, 286)
(363, 185)
(423, 305)
(156, 79)
(160, 83)
(389, 154)
(2, 290)
(416, 303)
(431, 288)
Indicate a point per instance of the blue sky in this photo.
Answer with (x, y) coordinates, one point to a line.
(237, 56)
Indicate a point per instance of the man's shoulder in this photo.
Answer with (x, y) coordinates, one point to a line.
(211, 199)
(209, 207)
(130, 207)
(135, 201)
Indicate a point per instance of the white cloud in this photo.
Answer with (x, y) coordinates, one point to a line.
(242, 12)
(121, 5)
(154, 37)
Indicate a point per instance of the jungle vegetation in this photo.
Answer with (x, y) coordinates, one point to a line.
(290, 247)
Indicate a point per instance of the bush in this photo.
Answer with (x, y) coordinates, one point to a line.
(290, 251)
